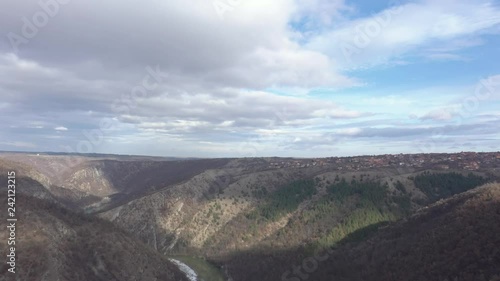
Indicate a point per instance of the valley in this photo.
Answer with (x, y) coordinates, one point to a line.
(257, 218)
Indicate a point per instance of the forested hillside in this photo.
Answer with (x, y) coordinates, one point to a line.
(454, 239)
(315, 215)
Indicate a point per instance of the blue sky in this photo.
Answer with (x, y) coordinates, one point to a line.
(311, 78)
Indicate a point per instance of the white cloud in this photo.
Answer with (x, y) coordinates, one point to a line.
(4, 105)
(446, 57)
(318, 14)
(251, 48)
(401, 31)
(488, 88)
(238, 111)
(60, 128)
(348, 131)
(443, 114)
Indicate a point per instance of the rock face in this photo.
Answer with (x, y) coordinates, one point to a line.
(102, 183)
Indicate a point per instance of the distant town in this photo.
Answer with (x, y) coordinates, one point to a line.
(471, 161)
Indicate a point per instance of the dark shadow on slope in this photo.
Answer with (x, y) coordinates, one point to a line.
(454, 239)
(55, 243)
(280, 264)
(136, 179)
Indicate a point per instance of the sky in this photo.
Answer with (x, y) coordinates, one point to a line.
(241, 78)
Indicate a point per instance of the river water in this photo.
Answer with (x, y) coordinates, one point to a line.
(190, 274)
